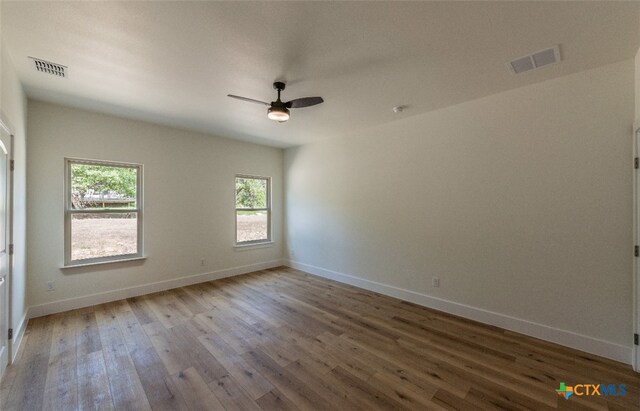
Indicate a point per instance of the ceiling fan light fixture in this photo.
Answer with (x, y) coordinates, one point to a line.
(280, 114)
(279, 110)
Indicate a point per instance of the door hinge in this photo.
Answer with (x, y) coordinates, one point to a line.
(636, 163)
(12, 165)
(11, 333)
(636, 251)
(11, 249)
(635, 339)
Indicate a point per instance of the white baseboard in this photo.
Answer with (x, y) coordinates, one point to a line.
(18, 333)
(122, 293)
(544, 332)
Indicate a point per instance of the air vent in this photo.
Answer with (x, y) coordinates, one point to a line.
(48, 67)
(535, 60)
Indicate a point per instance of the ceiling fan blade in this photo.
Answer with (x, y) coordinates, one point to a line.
(250, 100)
(304, 102)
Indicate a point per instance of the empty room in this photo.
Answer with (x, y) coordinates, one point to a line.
(318, 205)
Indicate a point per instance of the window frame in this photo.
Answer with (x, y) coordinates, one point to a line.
(267, 209)
(69, 211)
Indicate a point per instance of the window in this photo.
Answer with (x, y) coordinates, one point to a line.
(103, 211)
(253, 210)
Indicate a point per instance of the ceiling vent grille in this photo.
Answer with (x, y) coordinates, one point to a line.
(49, 68)
(535, 60)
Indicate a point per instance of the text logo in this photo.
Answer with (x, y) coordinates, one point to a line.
(610, 390)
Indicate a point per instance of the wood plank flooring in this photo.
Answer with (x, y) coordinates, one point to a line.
(283, 340)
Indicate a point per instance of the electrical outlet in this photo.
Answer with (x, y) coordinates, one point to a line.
(203, 262)
(435, 282)
(51, 285)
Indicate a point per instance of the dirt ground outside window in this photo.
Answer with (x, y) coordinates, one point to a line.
(103, 237)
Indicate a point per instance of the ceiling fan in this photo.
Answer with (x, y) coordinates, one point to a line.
(279, 110)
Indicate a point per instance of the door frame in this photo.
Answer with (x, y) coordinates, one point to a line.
(635, 361)
(4, 126)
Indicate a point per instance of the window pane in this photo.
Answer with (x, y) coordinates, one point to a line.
(252, 226)
(97, 186)
(103, 235)
(251, 192)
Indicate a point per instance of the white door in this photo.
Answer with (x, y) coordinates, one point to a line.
(5, 259)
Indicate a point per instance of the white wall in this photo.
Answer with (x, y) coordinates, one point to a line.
(188, 200)
(519, 202)
(13, 106)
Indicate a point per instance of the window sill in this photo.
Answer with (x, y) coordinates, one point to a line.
(243, 247)
(124, 260)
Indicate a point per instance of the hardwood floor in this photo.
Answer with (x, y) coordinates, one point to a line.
(284, 340)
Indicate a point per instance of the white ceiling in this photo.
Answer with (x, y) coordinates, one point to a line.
(174, 62)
